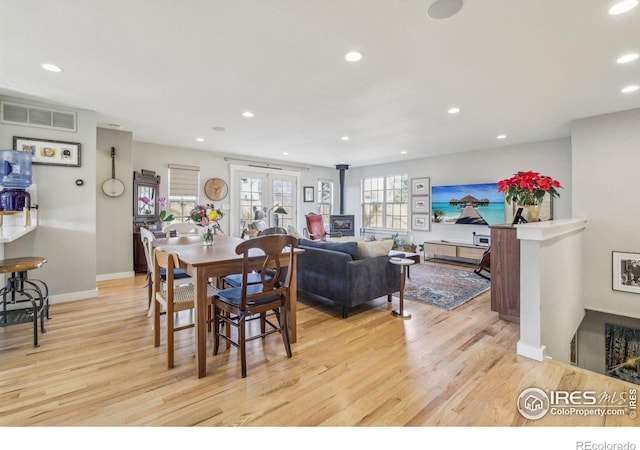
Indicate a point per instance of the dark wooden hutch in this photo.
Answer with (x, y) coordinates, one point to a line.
(146, 184)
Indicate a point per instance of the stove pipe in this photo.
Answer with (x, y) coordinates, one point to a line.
(342, 168)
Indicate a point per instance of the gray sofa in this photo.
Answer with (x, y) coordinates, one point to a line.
(338, 272)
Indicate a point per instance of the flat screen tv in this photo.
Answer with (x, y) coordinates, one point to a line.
(470, 204)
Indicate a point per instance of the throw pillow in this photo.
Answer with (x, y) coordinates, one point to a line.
(293, 232)
(373, 249)
(351, 248)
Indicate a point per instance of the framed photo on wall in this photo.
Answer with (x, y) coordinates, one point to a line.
(45, 151)
(626, 272)
(420, 222)
(308, 193)
(420, 204)
(420, 186)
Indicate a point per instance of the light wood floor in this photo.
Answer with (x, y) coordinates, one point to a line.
(97, 366)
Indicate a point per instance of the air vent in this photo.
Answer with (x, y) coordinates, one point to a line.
(31, 116)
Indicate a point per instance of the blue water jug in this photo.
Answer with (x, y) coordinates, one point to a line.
(15, 169)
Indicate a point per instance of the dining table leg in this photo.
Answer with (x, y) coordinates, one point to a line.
(200, 281)
(293, 302)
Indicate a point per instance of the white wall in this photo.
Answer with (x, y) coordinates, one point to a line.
(551, 158)
(606, 161)
(114, 215)
(66, 233)
(158, 157)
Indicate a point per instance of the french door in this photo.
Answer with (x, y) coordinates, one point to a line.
(268, 195)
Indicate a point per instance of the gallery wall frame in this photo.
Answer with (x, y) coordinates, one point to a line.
(420, 204)
(420, 186)
(49, 152)
(420, 222)
(626, 272)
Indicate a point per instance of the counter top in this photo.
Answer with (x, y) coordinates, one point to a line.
(9, 233)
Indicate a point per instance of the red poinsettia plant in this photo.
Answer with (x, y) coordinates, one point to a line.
(528, 188)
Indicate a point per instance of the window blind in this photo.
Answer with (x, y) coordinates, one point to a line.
(183, 180)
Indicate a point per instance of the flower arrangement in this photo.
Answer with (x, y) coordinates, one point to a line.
(528, 188)
(207, 216)
(164, 216)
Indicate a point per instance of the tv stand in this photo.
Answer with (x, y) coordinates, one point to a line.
(460, 252)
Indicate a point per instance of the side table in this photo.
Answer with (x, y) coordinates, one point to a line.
(404, 263)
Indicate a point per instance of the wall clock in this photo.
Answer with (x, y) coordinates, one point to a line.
(216, 189)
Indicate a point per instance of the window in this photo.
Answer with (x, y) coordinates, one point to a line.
(183, 190)
(325, 199)
(385, 202)
(250, 200)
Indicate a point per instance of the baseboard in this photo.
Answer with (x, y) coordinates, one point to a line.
(529, 351)
(73, 296)
(115, 276)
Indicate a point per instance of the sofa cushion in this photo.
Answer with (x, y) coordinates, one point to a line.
(350, 248)
(373, 249)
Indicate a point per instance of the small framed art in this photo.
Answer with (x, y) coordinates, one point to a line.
(308, 193)
(626, 272)
(420, 222)
(46, 151)
(420, 186)
(420, 204)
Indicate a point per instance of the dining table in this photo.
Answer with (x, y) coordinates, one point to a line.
(205, 263)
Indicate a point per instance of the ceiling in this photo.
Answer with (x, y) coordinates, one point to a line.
(171, 71)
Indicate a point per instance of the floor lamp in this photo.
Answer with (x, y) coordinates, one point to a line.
(278, 210)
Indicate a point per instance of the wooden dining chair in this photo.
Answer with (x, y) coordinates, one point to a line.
(172, 299)
(180, 277)
(237, 306)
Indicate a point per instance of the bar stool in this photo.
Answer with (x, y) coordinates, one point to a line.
(21, 289)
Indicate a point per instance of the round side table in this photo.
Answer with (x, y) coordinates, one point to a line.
(403, 263)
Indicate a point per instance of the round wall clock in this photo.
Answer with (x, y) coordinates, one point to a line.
(216, 189)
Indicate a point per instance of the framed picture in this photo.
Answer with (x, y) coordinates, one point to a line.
(44, 151)
(420, 186)
(420, 204)
(420, 222)
(626, 272)
(308, 193)
(622, 352)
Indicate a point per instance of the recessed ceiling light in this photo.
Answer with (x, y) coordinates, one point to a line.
(403, 152)
(345, 138)
(51, 68)
(630, 88)
(247, 114)
(285, 153)
(627, 58)
(501, 136)
(353, 56)
(622, 7)
(454, 110)
(200, 139)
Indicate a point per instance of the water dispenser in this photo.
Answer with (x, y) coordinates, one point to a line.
(15, 178)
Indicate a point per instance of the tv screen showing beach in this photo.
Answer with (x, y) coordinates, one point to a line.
(470, 204)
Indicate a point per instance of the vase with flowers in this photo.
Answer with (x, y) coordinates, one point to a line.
(208, 217)
(527, 190)
(164, 215)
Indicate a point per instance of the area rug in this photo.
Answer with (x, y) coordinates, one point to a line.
(444, 287)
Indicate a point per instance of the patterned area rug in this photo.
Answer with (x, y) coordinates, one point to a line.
(444, 287)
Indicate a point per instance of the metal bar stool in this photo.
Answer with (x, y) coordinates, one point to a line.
(20, 289)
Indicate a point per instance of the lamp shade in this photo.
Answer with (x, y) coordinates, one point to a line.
(280, 210)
